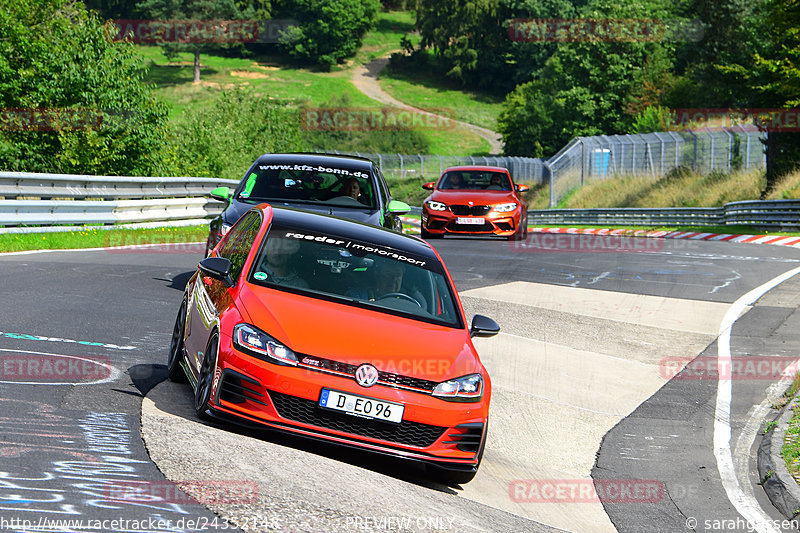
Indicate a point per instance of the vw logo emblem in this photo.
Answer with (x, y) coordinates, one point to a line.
(366, 375)
(470, 203)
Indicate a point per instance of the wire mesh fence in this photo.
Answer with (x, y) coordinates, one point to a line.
(650, 155)
(522, 169)
(654, 155)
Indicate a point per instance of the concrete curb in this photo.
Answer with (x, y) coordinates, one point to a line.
(781, 488)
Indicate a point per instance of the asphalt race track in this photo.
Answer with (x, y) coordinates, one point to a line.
(589, 393)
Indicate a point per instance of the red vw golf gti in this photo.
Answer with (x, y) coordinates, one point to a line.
(336, 330)
(475, 201)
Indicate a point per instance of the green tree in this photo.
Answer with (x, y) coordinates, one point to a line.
(732, 33)
(194, 10)
(327, 31)
(594, 85)
(777, 80)
(57, 58)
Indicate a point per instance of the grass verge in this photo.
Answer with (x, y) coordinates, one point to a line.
(791, 441)
(98, 238)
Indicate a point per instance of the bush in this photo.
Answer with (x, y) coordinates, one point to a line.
(222, 140)
(328, 31)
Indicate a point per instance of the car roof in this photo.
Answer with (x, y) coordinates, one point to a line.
(317, 159)
(321, 223)
(477, 167)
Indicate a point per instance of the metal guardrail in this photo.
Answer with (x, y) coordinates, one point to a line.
(766, 213)
(48, 186)
(33, 199)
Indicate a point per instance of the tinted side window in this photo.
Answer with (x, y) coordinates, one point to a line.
(240, 240)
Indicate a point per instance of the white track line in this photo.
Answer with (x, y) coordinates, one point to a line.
(745, 503)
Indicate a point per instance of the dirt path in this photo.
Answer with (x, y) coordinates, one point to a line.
(365, 78)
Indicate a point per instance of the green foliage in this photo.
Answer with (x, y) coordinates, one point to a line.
(222, 140)
(588, 87)
(653, 118)
(57, 58)
(328, 31)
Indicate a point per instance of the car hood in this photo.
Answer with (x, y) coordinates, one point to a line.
(353, 335)
(476, 197)
(368, 216)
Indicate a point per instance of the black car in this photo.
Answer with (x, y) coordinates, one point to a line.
(343, 186)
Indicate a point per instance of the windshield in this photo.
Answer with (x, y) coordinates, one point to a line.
(475, 180)
(355, 273)
(340, 187)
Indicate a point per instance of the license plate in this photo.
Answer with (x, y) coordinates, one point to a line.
(470, 220)
(361, 406)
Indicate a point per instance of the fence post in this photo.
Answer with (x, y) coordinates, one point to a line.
(402, 174)
(549, 172)
(583, 162)
(421, 165)
(694, 162)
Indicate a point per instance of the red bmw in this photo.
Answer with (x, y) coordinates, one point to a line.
(474, 200)
(336, 330)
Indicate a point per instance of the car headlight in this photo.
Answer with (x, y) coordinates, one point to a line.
(255, 342)
(436, 206)
(464, 389)
(505, 208)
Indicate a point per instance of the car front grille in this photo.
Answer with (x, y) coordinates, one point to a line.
(470, 210)
(308, 412)
(385, 378)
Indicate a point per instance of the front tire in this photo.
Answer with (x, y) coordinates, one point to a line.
(205, 380)
(174, 370)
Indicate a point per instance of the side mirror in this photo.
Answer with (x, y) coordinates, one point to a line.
(429, 186)
(522, 188)
(223, 194)
(483, 326)
(217, 268)
(398, 208)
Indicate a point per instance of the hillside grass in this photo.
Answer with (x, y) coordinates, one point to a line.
(427, 90)
(680, 188)
(298, 86)
(385, 37)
